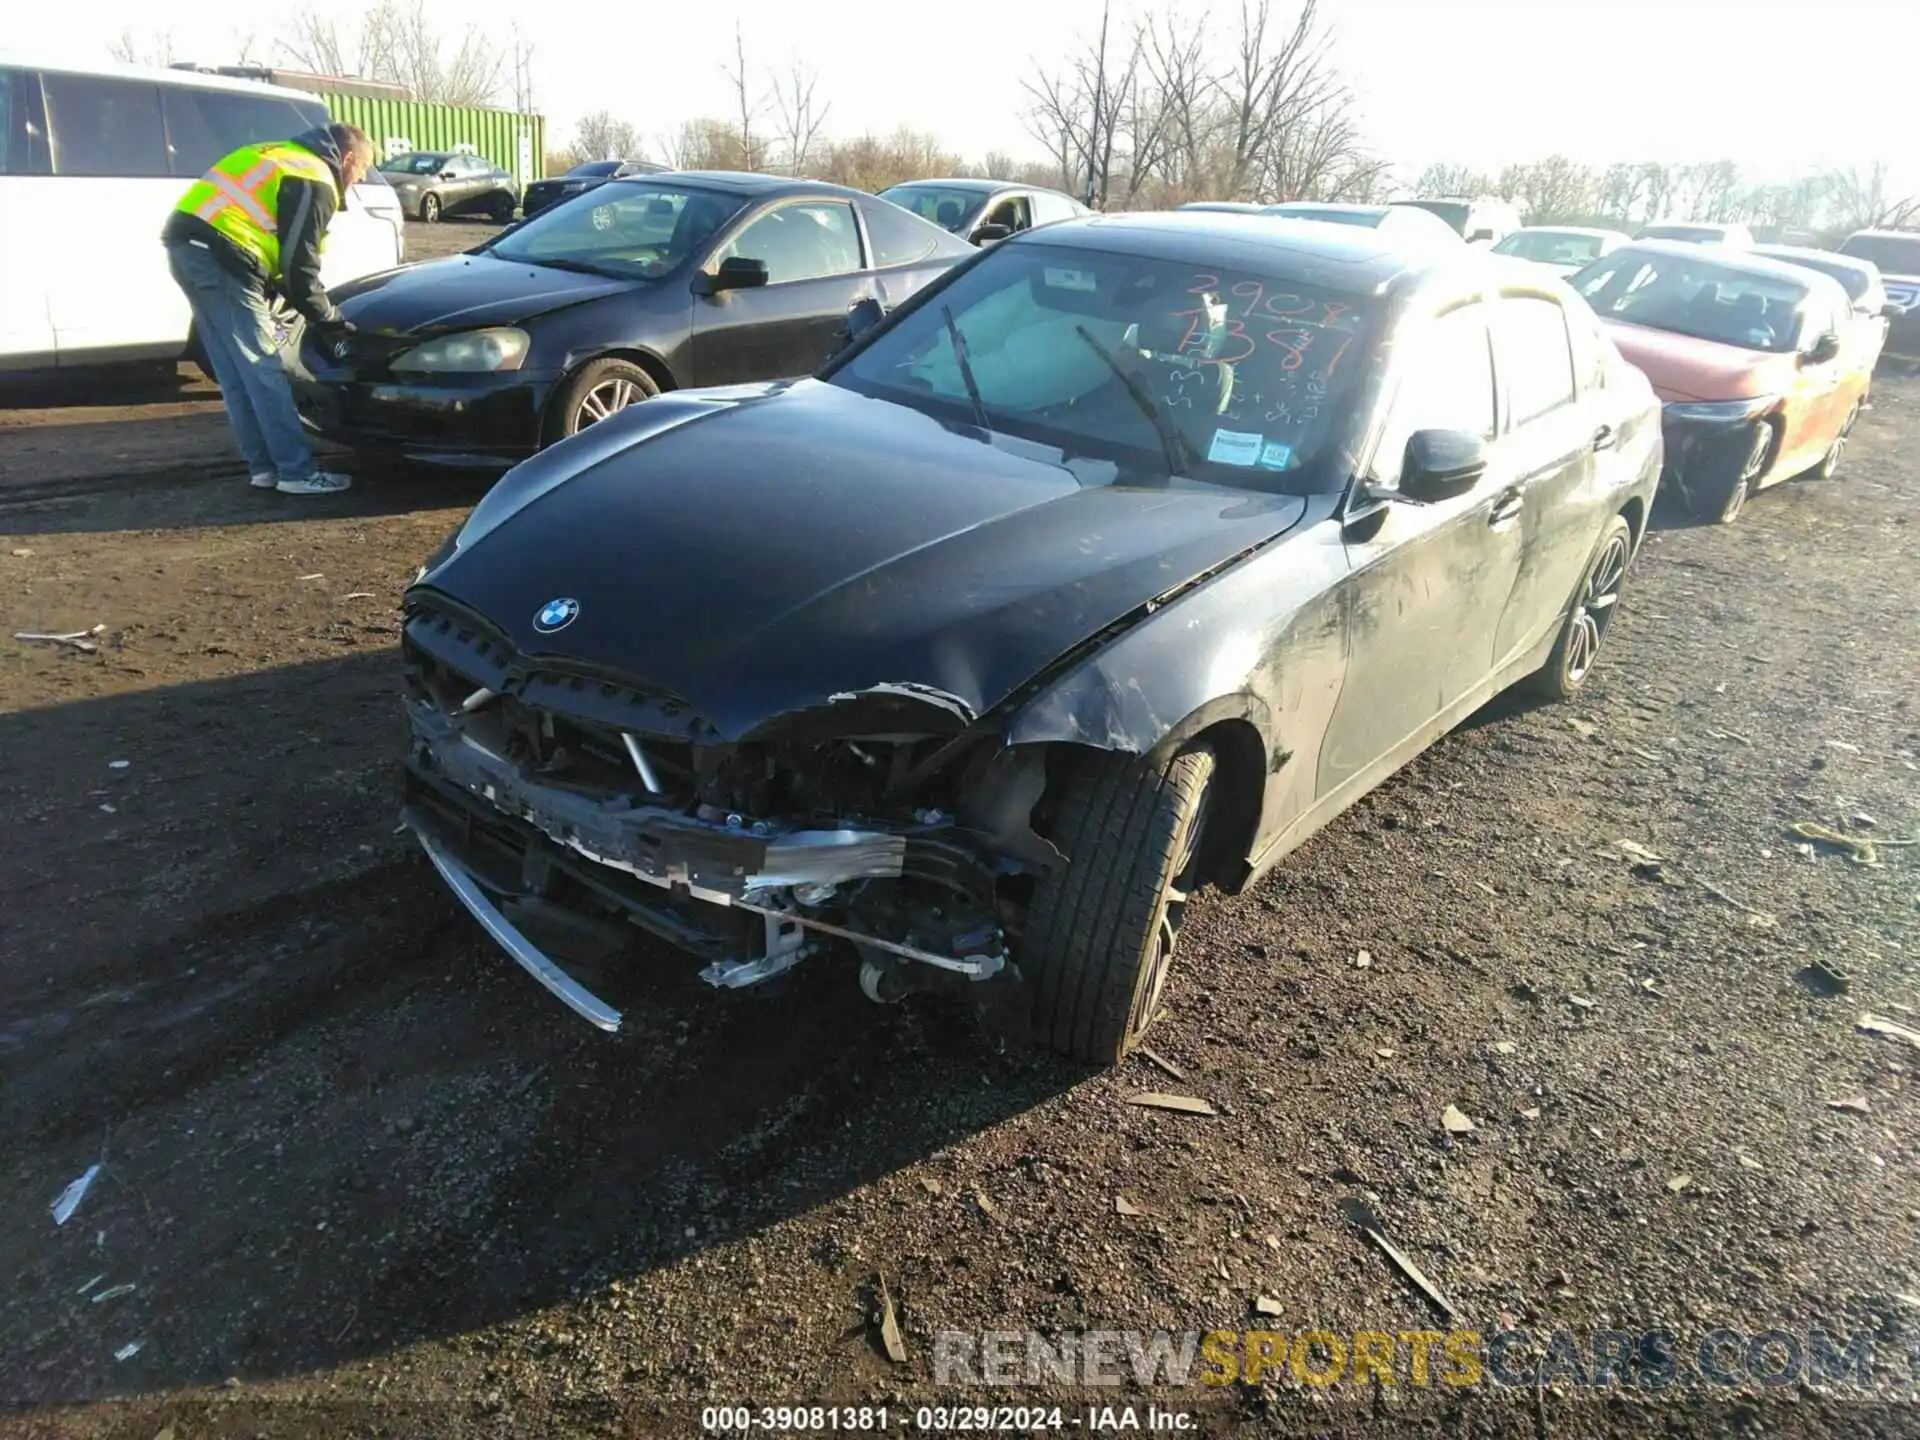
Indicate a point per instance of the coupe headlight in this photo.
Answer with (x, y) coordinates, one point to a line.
(475, 352)
(1723, 409)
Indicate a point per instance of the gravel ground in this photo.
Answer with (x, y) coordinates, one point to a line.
(365, 1177)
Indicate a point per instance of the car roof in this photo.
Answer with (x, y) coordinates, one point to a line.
(1733, 257)
(158, 74)
(1336, 207)
(1813, 252)
(748, 182)
(1345, 256)
(1887, 234)
(1599, 231)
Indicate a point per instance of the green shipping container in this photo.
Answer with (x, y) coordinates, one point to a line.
(514, 142)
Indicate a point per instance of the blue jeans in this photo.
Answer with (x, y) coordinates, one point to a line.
(237, 331)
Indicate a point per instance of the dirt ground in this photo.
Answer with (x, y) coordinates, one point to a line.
(365, 1177)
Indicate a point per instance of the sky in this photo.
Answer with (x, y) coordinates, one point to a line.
(1776, 85)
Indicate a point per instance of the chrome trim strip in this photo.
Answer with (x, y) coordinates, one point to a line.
(565, 988)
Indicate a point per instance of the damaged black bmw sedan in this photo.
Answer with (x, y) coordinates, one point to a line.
(1114, 564)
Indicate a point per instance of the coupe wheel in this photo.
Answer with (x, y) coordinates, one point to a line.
(1100, 933)
(1830, 462)
(503, 210)
(1589, 618)
(1719, 500)
(430, 209)
(596, 391)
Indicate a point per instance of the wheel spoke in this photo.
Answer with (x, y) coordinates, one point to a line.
(1603, 602)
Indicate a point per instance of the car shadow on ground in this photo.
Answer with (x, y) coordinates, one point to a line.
(334, 1119)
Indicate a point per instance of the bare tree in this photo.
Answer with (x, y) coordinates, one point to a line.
(1860, 200)
(156, 49)
(747, 104)
(599, 136)
(1556, 189)
(800, 121)
(1443, 179)
(1080, 113)
(396, 42)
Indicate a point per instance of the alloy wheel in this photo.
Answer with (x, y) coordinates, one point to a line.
(1166, 922)
(610, 395)
(1594, 613)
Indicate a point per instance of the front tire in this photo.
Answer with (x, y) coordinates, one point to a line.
(430, 209)
(595, 391)
(1830, 462)
(1589, 618)
(1719, 501)
(1100, 933)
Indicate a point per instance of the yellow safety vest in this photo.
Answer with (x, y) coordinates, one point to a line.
(240, 196)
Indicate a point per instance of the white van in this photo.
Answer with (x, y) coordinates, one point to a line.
(92, 159)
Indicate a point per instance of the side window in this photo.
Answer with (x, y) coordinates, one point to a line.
(1536, 360)
(1590, 346)
(203, 125)
(7, 142)
(1011, 212)
(897, 237)
(104, 126)
(1048, 208)
(1446, 383)
(800, 242)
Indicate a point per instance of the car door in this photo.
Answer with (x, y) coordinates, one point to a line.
(789, 326)
(1814, 400)
(463, 190)
(1428, 583)
(1550, 432)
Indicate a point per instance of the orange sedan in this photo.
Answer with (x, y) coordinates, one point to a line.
(1748, 356)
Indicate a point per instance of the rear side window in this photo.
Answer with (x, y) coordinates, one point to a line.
(897, 237)
(104, 126)
(1590, 347)
(1535, 358)
(1048, 208)
(203, 125)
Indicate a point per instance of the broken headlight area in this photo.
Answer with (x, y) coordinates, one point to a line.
(572, 832)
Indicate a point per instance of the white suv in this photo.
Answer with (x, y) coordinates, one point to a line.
(92, 160)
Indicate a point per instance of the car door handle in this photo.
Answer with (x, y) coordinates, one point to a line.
(1508, 506)
(1603, 438)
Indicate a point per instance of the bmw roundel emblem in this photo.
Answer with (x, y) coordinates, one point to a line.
(555, 615)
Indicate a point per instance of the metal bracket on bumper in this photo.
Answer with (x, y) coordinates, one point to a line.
(575, 996)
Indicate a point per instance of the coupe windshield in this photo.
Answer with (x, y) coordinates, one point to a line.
(947, 208)
(1127, 365)
(1853, 279)
(1695, 295)
(626, 228)
(1551, 247)
(1894, 254)
(415, 164)
(596, 167)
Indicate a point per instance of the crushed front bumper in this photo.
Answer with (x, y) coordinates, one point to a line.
(739, 893)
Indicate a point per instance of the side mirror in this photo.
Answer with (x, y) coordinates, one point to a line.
(1826, 348)
(987, 234)
(446, 174)
(736, 272)
(1441, 464)
(866, 313)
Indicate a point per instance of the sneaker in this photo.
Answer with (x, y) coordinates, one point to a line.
(320, 482)
(265, 480)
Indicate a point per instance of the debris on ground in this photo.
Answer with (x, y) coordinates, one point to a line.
(932, 1185)
(1679, 1183)
(114, 1293)
(1505, 1047)
(1266, 1305)
(1456, 1121)
(1361, 1216)
(1634, 850)
(1880, 1025)
(1585, 729)
(1160, 1100)
(70, 1198)
(987, 1207)
(1758, 918)
(1823, 978)
(358, 595)
(91, 1283)
(1154, 1057)
(81, 640)
(1123, 1206)
(1580, 1002)
(118, 764)
(129, 1350)
(1857, 848)
(1362, 960)
(1856, 1104)
(890, 1337)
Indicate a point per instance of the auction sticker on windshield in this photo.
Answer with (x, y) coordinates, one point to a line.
(1059, 278)
(1234, 447)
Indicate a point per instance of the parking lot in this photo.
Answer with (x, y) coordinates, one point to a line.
(354, 1162)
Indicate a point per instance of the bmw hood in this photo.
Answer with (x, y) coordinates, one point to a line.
(766, 551)
(465, 291)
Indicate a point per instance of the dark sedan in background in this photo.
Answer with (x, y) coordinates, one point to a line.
(581, 178)
(639, 286)
(437, 184)
(983, 211)
(1114, 564)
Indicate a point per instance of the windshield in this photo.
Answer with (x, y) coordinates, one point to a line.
(1551, 247)
(1855, 281)
(1692, 234)
(1369, 218)
(1894, 254)
(628, 228)
(1695, 296)
(1123, 364)
(1454, 212)
(416, 164)
(944, 206)
(596, 167)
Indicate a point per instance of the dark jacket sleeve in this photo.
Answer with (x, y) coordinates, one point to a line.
(306, 208)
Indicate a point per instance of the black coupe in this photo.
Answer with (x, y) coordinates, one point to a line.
(637, 287)
(1116, 563)
(588, 175)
